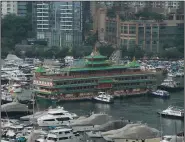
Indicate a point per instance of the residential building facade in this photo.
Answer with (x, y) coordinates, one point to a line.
(24, 8)
(43, 20)
(148, 34)
(59, 22)
(8, 7)
(71, 23)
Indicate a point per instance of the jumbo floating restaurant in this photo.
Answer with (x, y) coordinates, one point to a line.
(97, 74)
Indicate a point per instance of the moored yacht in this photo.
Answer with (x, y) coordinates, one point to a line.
(16, 88)
(103, 97)
(58, 111)
(170, 85)
(51, 120)
(61, 135)
(160, 93)
(172, 112)
(14, 109)
(6, 98)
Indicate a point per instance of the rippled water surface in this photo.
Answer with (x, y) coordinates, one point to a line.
(136, 109)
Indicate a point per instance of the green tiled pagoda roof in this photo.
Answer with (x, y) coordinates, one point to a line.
(133, 64)
(96, 55)
(40, 69)
(105, 81)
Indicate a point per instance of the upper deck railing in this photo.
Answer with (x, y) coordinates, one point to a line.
(61, 76)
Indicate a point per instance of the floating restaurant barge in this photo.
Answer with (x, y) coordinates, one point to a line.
(98, 74)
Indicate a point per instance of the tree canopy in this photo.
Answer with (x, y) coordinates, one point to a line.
(14, 29)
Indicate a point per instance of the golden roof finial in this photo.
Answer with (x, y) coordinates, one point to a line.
(95, 49)
(134, 59)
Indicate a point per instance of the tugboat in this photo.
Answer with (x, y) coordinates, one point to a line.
(172, 112)
(161, 93)
(103, 97)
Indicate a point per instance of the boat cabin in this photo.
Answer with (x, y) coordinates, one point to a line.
(60, 135)
(53, 120)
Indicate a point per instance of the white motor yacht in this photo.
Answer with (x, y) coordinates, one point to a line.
(14, 130)
(172, 112)
(103, 97)
(52, 120)
(61, 135)
(58, 111)
(170, 85)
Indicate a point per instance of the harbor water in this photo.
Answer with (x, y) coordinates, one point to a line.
(142, 109)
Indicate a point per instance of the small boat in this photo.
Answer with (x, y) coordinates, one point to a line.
(161, 93)
(6, 98)
(172, 138)
(103, 97)
(166, 138)
(170, 85)
(14, 109)
(172, 112)
(16, 88)
(94, 134)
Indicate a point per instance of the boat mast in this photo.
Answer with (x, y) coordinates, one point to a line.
(0, 92)
(175, 132)
(161, 125)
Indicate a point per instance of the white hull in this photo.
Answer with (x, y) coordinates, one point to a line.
(16, 90)
(53, 123)
(103, 100)
(156, 94)
(94, 134)
(74, 139)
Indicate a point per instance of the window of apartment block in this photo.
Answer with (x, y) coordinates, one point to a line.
(132, 41)
(125, 41)
(141, 41)
(122, 29)
(8, 9)
(154, 42)
(125, 29)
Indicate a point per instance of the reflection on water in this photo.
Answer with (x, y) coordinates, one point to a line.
(103, 107)
(175, 125)
(135, 109)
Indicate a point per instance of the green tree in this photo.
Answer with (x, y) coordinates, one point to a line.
(106, 50)
(149, 54)
(135, 51)
(62, 53)
(124, 51)
(148, 15)
(16, 28)
(92, 39)
(111, 13)
(171, 53)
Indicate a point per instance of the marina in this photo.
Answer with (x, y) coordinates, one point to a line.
(90, 115)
